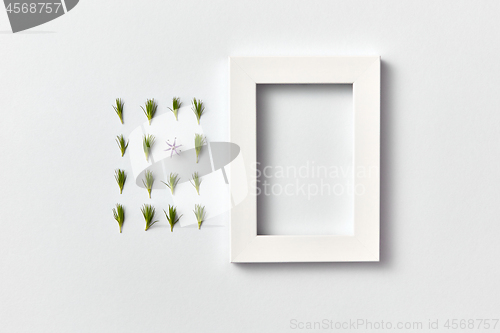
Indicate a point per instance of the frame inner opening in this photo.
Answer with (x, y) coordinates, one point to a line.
(305, 149)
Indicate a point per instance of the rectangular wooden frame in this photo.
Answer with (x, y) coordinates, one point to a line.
(364, 74)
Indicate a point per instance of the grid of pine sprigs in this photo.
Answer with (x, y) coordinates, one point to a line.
(149, 211)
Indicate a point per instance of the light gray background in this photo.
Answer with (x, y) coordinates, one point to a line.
(64, 266)
(305, 149)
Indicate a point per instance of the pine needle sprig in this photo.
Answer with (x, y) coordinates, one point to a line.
(120, 177)
(150, 110)
(172, 216)
(196, 182)
(176, 105)
(199, 141)
(148, 212)
(172, 181)
(121, 143)
(198, 108)
(149, 181)
(119, 108)
(199, 212)
(147, 143)
(119, 214)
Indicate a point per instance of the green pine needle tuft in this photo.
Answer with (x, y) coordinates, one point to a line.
(199, 141)
(148, 212)
(172, 216)
(119, 108)
(199, 212)
(121, 143)
(172, 181)
(148, 182)
(120, 177)
(119, 214)
(150, 109)
(198, 108)
(176, 105)
(147, 143)
(196, 182)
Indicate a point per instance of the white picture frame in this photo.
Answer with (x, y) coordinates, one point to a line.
(364, 74)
